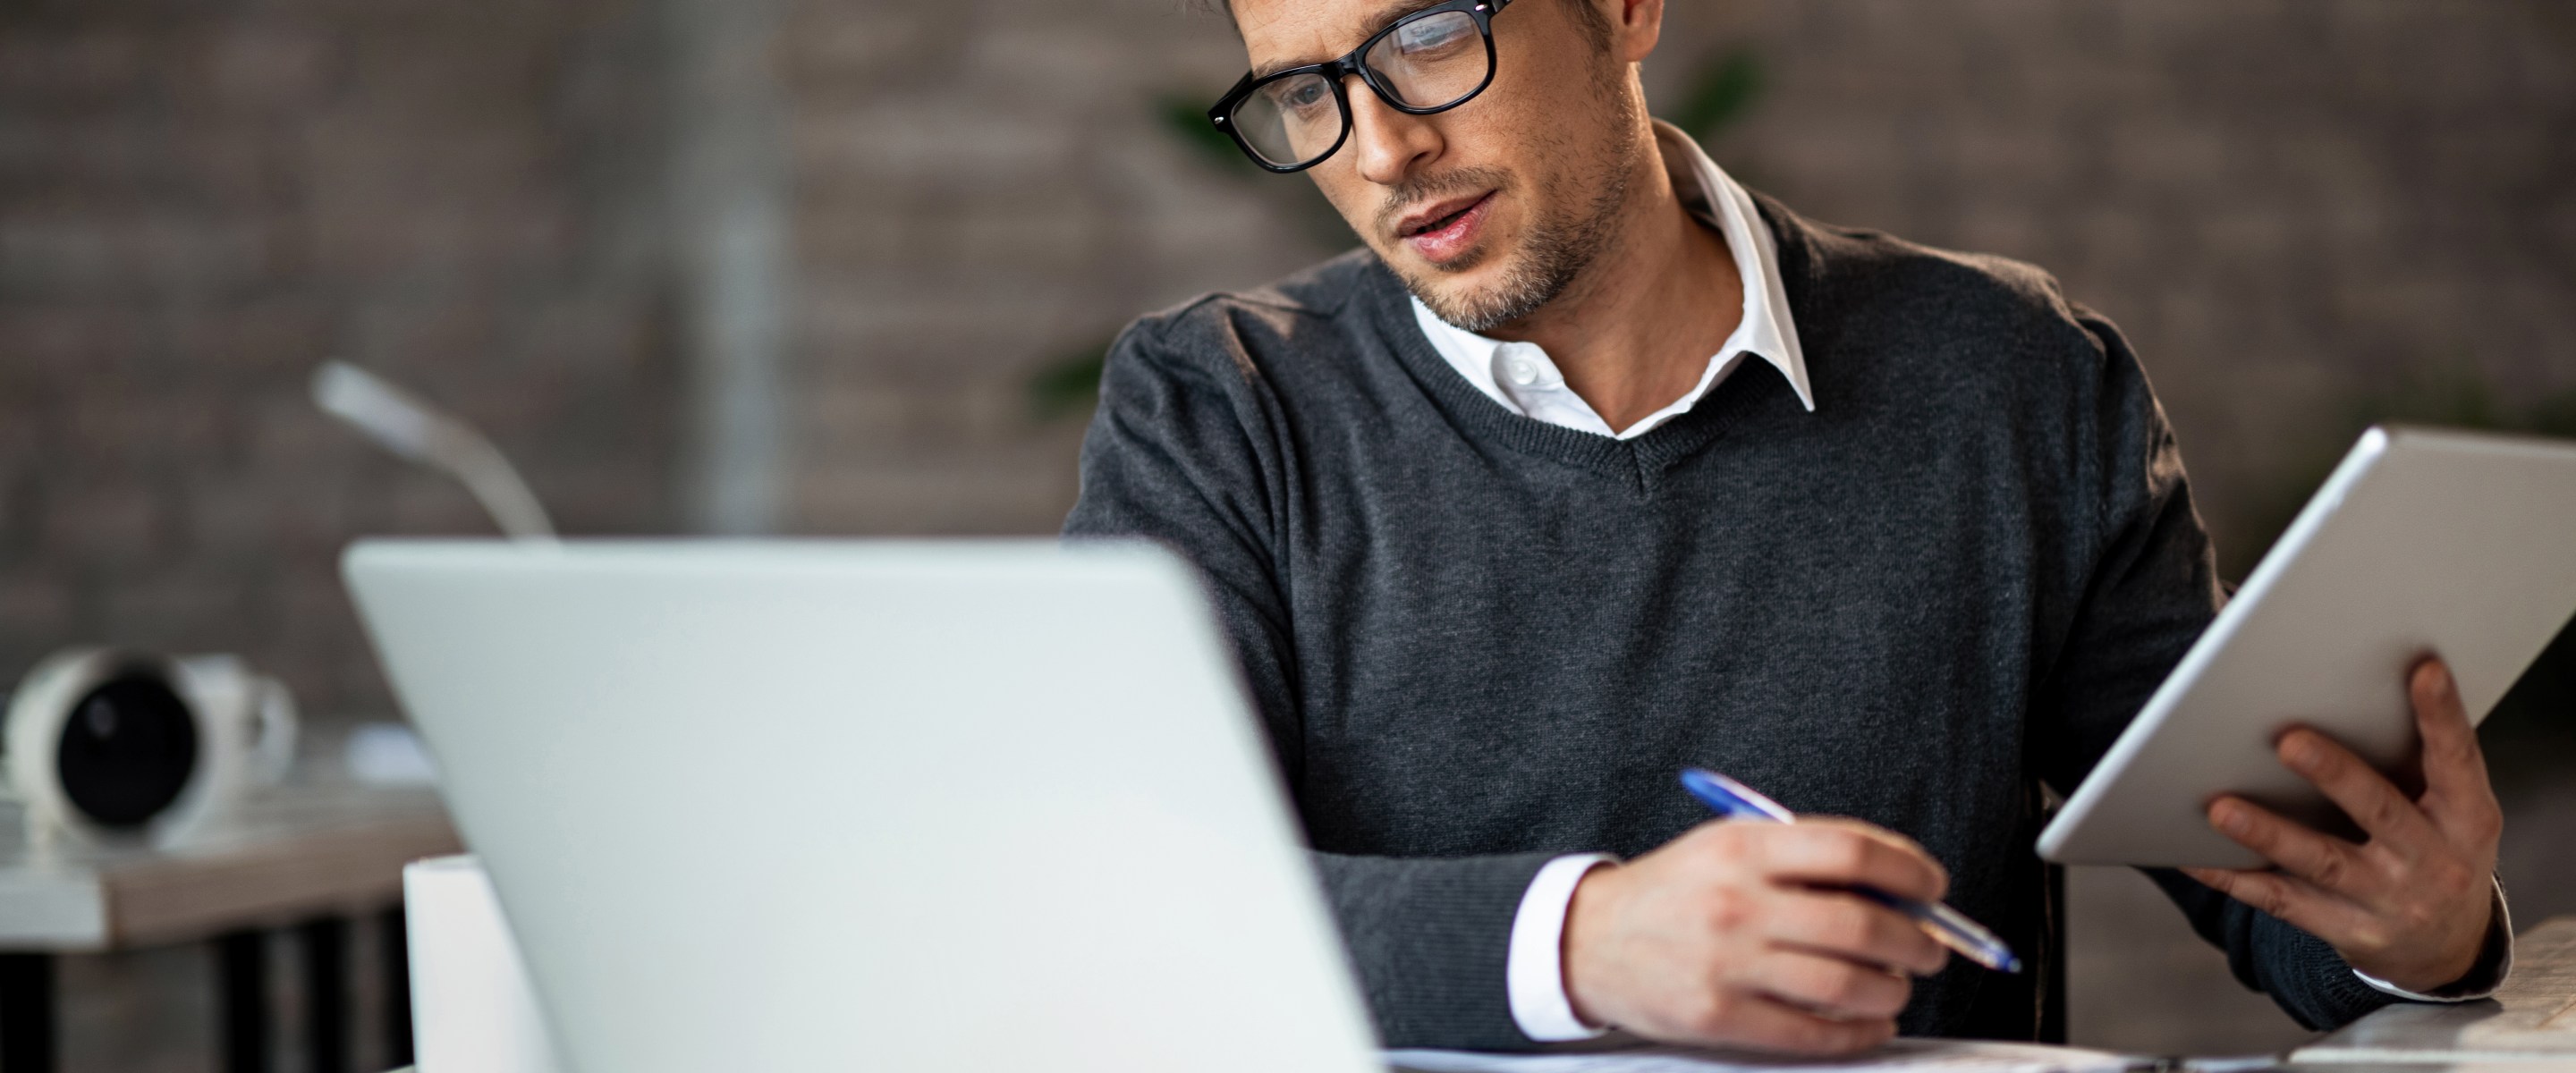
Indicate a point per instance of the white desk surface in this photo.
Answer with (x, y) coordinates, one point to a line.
(2531, 1019)
(2529, 1027)
(286, 853)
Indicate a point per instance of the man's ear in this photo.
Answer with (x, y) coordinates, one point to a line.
(1635, 26)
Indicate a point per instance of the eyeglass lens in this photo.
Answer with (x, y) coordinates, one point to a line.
(1430, 62)
(1291, 120)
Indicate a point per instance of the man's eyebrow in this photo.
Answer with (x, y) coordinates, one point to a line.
(1386, 15)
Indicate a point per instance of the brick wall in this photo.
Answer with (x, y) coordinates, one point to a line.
(986, 187)
(200, 201)
(2286, 205)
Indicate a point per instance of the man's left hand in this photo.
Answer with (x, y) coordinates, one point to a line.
(2411, 905)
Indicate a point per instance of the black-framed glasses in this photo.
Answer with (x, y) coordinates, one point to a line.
(1429, 61)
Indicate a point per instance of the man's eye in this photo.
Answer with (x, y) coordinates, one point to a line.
(1301, 95)
(1432, 34)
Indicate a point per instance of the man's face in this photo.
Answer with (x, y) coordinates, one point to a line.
(1490, 210)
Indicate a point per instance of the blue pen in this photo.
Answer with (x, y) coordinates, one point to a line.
(1947, 926)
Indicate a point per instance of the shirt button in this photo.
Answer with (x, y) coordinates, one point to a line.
(1522, 371)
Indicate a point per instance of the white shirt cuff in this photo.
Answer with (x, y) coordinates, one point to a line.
(1534, 971)
(2503, 922)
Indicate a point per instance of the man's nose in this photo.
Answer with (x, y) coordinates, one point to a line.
(1390, 143)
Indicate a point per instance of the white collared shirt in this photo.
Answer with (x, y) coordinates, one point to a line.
(1521, 378)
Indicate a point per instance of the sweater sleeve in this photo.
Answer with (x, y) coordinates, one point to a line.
(1189, 448)
(2151, 590)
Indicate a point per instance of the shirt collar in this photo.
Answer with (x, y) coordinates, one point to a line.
(1766, 330)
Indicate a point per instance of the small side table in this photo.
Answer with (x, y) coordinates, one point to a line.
(309, 857)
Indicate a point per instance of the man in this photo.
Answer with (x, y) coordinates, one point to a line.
(1592, 465)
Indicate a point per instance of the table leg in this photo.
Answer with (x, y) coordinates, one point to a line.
(393, 943)
(326, 994)
(241, 990)
(2052, 966)
(26, 1013)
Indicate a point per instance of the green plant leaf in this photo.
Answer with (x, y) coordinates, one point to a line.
(1722, 94)
(1068, 384)
(2451, 393)
(1184, 115)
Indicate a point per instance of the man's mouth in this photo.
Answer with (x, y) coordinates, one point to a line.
(1443, 231)
(1435, 217)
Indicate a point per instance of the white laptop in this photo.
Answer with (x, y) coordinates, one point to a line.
(883, 806)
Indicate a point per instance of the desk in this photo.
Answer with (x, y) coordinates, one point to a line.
(2531, 1019)
(308, 856)
(2529, 1025)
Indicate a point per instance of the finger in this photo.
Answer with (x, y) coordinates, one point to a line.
(2294, 902)
(1855, 930)
(1830, 986)
(1760, 1022)
(2322, 859)
(2384, 813)
(2457, 795)
(1833, 853)
(1866, 829)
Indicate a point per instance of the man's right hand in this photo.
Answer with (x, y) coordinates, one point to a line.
(1734, 935)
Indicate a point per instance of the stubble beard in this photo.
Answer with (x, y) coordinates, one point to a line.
(1558, 248)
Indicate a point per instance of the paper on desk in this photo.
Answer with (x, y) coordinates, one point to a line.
(1959, 1056)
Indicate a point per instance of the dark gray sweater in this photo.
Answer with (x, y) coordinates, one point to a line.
(1480, 640)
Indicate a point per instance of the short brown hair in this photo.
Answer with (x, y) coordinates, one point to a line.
(1595, 24)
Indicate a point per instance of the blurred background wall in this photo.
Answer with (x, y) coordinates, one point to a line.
(838, 267)
(198, 202)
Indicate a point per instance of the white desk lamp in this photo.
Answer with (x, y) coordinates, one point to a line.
(406, 426)
(111, 745)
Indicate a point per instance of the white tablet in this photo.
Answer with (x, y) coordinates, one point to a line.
(2451, 543)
